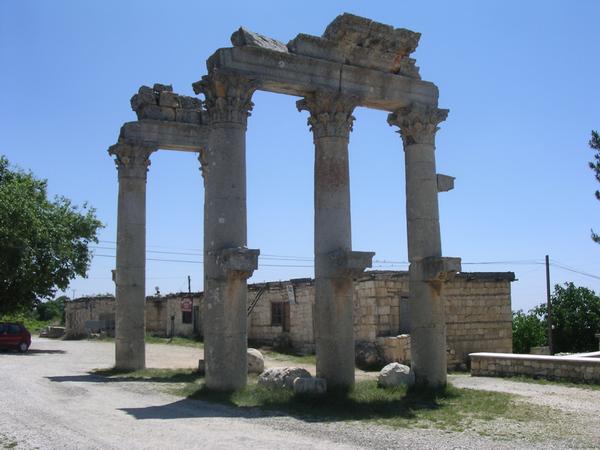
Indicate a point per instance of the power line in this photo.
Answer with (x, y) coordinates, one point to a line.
(560, 266)
(383, 264)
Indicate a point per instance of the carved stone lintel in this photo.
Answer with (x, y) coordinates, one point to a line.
(131, 161)
(227, 97)
(418, 123)
(330, 114)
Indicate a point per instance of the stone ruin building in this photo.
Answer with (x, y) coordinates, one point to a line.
(280, 314)
(355, 63)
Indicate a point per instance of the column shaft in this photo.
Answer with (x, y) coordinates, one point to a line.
(225, 234)
(224, 306)
(418, 125)
(130, 278)
(335, 262)
(427, 309)
(334, 322)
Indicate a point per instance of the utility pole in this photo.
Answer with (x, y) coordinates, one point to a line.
(549, 306)
(189, 284)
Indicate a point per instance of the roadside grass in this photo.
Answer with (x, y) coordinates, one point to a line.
(6, 442)
(150, 339)
(287, 357)
(176, 340)
(451, 408)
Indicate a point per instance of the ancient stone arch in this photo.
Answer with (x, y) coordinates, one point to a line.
(356, 62)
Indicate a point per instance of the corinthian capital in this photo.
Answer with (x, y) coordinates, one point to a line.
(330, 114)
(418, 123)
(228, 97)
(131, 161)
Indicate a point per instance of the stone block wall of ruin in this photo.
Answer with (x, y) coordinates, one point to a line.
(478, 314)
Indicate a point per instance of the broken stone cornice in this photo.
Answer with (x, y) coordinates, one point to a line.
(161, 103)
(247, 38)
(350, 40)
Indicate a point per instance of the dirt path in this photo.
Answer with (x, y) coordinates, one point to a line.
(49, 400)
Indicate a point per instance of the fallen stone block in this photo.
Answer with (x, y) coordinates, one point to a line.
(310, 386)
(282, 377)
(395, 374)
(256, 361)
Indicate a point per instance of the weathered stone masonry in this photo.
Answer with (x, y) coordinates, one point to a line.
(478, 314)
(477, 309)
(356, 62)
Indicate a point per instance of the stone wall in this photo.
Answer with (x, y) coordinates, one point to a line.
(159, 311)
(77, 312)
(394, 348)
(478, 314)
(299, 295)
(569, 368)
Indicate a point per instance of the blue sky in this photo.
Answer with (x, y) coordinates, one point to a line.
(520, 80)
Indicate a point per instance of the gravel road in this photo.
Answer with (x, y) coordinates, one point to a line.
(49, 400)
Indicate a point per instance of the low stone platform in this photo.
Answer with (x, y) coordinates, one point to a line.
(569, 368)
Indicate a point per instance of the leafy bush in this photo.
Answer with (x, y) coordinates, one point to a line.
(529, 330)
(575, 320)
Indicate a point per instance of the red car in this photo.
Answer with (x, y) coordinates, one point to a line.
(14, 336)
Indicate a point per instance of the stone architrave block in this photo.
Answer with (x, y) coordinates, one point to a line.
(355, 31)
(247, 38)
(310, 386)
(316, 47)
(445, 183)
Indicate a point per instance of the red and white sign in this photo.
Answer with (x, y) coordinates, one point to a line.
(186, 304)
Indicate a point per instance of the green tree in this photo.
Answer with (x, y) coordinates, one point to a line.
(575, 318)
(529, 330)
(595, 166)
(52, 309)
(43, 243)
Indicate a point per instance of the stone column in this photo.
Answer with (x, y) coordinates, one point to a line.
(335, 263)
(130, 279)
(227, 261)
(428, 270)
